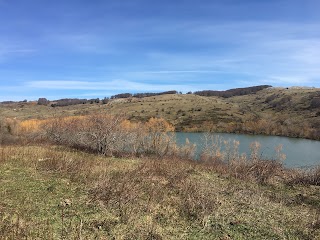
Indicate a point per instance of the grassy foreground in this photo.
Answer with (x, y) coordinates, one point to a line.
(50, 192)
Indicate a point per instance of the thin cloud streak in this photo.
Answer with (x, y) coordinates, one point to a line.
(111, 86)
(174, 71)
(9, 52)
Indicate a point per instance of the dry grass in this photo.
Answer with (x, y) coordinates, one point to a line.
(50, 192)
(307, 177)
(59, 192)
(275, 111)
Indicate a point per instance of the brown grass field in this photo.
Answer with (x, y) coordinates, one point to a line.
(87, 172)
(50, 192)
(272, 111)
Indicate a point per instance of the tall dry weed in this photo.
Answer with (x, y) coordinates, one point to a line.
(223, 156)
(306, 177)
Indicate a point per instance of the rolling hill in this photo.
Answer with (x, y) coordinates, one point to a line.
(293, 112)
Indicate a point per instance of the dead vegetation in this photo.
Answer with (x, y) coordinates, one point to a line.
(133, 182)
(93, 196)
(292, 112)
(307, 177)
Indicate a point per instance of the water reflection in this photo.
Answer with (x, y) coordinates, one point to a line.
(299, 153)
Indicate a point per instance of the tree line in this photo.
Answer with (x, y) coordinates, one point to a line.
(70, 101)
(142, 95)
(207, 93)
(231, 92)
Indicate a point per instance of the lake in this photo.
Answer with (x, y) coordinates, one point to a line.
(300, 153)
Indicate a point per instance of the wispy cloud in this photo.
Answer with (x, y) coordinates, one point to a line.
(173, 71)
(107, 47)
(82, 42)
(8, 51)
(260, 49)
(112, 86)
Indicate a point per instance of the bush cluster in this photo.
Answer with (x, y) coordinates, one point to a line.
(142, 95)
(8, 130)
(113, 135)
(232, 92)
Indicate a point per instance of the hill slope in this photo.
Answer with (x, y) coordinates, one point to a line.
(293, 112)
(276, 111)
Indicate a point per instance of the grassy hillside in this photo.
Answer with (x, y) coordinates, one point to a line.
(100, 176)
(50, 192)
(291, 112)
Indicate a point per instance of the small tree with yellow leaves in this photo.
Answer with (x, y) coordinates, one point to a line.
(158, 138)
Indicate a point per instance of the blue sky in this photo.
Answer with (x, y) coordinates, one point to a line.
(86, 49)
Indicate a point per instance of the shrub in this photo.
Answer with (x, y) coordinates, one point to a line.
(307, 177)
(72, 101)
(232, 92)
(315, 103)
(105, 100)
(223, 156)
(8, 131)
(43, 101)
(112, 135)
(121, 95)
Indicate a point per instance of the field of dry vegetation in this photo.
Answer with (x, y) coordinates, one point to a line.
(293, 112)
(100, 176)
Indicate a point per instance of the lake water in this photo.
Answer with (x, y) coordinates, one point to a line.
(300, 153)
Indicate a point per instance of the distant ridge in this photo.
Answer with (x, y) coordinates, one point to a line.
(232, 92)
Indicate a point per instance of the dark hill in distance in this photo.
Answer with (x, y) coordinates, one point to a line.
(232, 92)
